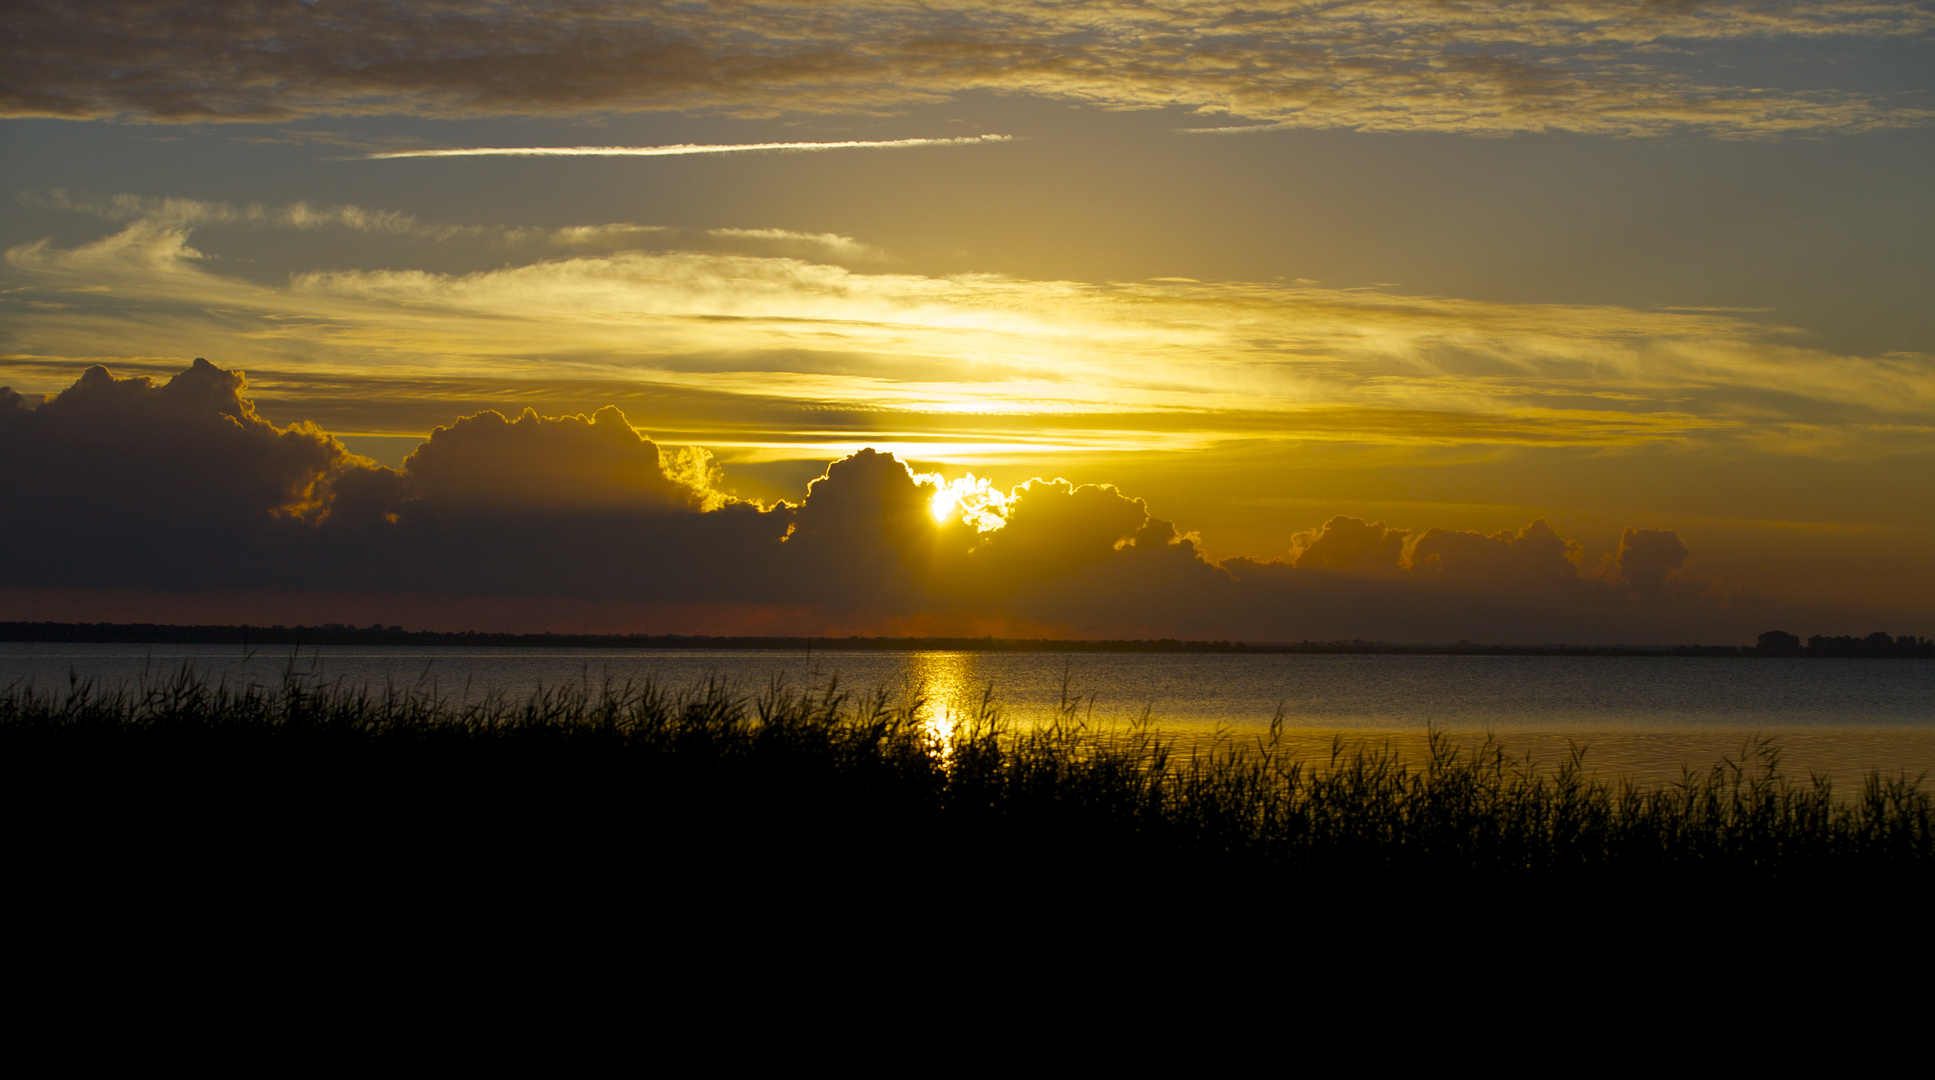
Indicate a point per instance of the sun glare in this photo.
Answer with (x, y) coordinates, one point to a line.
(974, 499)
(942, 505)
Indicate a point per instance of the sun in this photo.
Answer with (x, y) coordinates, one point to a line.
(942, 505)
(974, 500)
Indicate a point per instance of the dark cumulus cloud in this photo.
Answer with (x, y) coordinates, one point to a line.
(123, 481)
(179, 488)
(1604, 66)
(563, 463)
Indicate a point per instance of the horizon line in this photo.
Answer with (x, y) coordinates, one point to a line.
(54, 630)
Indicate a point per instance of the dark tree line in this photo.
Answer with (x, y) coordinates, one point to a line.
(1877, 644)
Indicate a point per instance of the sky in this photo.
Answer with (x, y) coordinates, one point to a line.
(1395, 320)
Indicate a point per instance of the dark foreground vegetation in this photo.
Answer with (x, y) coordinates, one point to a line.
(778, 793)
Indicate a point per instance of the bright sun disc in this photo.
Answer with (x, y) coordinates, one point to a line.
(973, 500)
(941, 505)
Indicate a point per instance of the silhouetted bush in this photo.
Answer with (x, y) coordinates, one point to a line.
(1876, 645)
(1778, 643)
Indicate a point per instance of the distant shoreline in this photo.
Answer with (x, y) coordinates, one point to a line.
(339, 634)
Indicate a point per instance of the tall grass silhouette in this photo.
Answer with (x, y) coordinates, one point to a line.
(701, 786)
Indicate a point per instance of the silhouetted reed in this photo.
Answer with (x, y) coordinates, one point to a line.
(707, 786)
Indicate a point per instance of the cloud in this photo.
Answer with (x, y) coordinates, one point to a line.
(130, 480)
(687, 149)
(1532, 555)
(119, 481)
(560, 463)
(1649, 557)
(183, 216)
(831, 246)
(180, 487)
(1349, 545)
(191, 448)
(618, 236)
(1052, 527)
(1599, 66)
(188, 214)
(773, 318)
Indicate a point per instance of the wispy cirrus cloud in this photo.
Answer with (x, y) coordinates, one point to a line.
(187, 214)
(1599, 66)
(804, 244)
(193, 213)
(683, 149)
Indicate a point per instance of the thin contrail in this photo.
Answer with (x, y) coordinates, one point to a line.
(687, 148)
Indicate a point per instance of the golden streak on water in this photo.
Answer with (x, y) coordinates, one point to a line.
(945, 682)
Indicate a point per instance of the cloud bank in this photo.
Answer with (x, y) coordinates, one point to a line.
(1599, 66)
(180, 487)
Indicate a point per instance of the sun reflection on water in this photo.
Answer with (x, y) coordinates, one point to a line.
(951, 696)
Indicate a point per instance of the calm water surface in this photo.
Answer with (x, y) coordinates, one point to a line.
(1644, 717)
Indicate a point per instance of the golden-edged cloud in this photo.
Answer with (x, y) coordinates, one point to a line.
(977, 358)
(1600, 66)
(125, 484)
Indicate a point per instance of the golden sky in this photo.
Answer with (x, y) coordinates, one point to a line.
(1657, 276)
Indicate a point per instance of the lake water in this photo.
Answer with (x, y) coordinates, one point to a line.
(1643, 717)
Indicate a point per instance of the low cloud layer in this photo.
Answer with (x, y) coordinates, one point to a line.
(179, 487)
(1388, 65)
